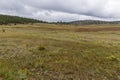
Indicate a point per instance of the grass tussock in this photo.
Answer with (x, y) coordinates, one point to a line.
(41, 48)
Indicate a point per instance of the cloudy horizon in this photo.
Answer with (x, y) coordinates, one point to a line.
(62, 10)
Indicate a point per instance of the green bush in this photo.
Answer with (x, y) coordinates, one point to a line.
(41, 48)
(113, 58)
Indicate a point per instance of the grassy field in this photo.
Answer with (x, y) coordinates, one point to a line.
(59, 52)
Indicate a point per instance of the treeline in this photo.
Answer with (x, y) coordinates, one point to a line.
(6, 19)
(88, 22)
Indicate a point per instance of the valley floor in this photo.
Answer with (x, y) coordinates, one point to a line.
(59, 52)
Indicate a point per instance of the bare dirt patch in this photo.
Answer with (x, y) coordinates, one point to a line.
(1, 78)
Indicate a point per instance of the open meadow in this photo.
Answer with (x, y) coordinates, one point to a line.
(59, 52)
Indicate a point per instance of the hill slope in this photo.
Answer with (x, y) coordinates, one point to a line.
(6, 19)
(88, 22)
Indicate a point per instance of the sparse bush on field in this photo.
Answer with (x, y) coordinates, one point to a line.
(41, 48)
(113, 58)
(22, 74)
(3, 30)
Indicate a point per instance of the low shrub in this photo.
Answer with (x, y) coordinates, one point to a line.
(41, 48)
(113, 58)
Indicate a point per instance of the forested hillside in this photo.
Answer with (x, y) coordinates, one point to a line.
(88, 22)
(6, 19)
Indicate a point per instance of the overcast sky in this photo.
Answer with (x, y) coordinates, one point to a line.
(62, 10)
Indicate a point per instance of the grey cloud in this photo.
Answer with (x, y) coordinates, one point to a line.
(64, 10)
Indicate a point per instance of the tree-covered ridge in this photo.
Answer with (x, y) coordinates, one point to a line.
(6, 19)
(88, 22)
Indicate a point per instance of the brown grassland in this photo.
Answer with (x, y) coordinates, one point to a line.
(59, 52)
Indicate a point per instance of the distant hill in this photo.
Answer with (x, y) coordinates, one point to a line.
(88, 22)
(6, 19)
